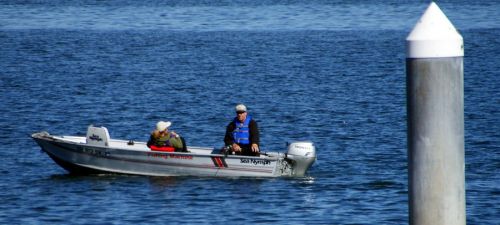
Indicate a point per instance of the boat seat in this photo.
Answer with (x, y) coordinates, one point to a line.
(97, 136)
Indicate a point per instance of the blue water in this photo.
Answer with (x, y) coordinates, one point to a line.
(332, 72)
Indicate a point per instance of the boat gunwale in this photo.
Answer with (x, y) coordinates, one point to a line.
(275, 156)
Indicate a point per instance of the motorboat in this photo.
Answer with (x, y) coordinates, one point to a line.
(97, 153)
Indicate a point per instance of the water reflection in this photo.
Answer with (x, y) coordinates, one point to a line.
(159, 184)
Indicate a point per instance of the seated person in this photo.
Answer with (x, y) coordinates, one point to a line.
(242, 133)
(161, 137)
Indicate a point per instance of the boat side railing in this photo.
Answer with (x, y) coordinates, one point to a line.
(141, 146)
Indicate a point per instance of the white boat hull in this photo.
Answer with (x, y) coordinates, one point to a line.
(79, 156)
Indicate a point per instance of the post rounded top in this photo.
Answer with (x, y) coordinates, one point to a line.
(434, 36)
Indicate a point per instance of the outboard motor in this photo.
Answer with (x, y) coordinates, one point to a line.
(302, 154)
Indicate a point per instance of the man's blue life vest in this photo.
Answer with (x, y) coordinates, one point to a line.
(241, 133)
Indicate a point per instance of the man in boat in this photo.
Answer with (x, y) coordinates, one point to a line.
(242, 134)
(163, 139)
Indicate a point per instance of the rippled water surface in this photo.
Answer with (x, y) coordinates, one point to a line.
(329, 72)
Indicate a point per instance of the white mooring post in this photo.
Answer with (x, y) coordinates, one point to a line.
(435, 107)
